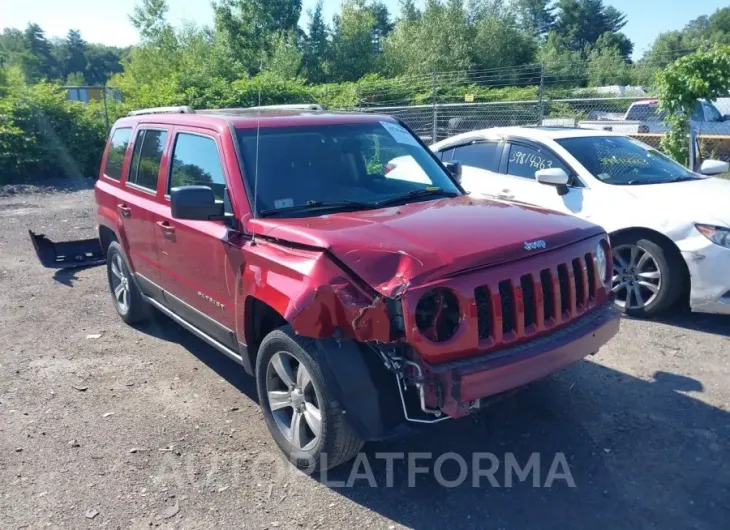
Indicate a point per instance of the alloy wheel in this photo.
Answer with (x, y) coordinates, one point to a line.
(120, 283)
(294, 401)
(637, 279)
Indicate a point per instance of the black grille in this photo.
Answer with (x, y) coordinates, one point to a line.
(546, 279)
(591, 276)
(484, 311)
(508, 306)
(580, 288)
(564, 288)
(528, 295)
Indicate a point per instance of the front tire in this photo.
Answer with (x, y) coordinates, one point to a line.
(128, 301)
(648, 276)
(300, 410)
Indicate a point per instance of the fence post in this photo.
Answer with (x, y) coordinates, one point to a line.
(106, 109)
(435, 108)
(541, 103)
(692, 148)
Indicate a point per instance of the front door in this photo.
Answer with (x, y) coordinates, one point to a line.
(521, 161)
(196, 274)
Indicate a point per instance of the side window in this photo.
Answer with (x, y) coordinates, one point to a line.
(146, 158)
(115, 157)
(196, 161)
(479, 155)
(524, 161)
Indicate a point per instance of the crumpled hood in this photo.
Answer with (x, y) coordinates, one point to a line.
(699, 201)
(395, 247)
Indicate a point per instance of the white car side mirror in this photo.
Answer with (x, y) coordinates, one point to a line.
(714, 167)
(553, 176)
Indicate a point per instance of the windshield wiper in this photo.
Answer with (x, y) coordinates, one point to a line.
(318, 206)
(416, 194)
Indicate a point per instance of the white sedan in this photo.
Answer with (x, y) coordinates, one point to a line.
(669, 227)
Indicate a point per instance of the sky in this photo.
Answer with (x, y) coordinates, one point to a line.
(107, 21)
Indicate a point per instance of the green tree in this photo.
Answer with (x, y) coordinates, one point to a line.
(607, 66)
(580, 23)
(38, 61)
(248, 26)
(704, 74)
(316, 46)
(71, 54)
(537, 17)
(286, 57)
(353, 52)
(440, 39)
(102, 62)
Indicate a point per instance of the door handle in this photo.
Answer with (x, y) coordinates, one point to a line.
(166, 227)
(505, 194)
(124, 210)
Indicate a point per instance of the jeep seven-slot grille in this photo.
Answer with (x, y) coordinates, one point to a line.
(549, 297)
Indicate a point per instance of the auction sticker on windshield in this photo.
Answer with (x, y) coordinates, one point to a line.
(399, 134)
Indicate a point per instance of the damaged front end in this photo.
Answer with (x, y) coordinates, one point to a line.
(67, 254)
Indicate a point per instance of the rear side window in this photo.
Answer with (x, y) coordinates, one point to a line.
(196, 162)
(146, 158)
(479, 155)
(115, 157)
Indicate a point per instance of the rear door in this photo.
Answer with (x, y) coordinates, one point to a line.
(137, 201)
(480, 165)
(196, 274)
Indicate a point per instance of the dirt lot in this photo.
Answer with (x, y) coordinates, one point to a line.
(105, 425)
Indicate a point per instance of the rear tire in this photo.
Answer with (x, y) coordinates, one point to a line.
(648, 275)
(290, 375)
(128, 300)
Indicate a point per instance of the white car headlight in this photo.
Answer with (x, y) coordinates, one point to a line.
(602, 262)
(716, 234)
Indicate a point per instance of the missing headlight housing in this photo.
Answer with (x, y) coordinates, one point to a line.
(437, 315)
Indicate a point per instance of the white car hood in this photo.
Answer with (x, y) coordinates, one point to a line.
(700, 201)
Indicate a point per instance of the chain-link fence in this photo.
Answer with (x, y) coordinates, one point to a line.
(623, 115)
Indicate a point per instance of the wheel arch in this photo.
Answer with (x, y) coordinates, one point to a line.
(260, 319)
(106, 236)
(664, 241)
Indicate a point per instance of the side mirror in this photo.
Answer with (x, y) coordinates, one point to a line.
(195, 203)
(455, 169)
(714, 167)
(552, 177)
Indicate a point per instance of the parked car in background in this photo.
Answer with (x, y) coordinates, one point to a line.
(645, 117)
(669, 227)
(360, 302)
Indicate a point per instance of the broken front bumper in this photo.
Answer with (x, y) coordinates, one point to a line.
(709, 270)
(463, 383)
(69, 254)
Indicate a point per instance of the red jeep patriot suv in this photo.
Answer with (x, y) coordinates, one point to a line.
(361, 301)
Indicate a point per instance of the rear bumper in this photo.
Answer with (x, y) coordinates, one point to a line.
(464, 382)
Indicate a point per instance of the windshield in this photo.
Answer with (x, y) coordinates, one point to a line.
(625, 161)
(347, 165)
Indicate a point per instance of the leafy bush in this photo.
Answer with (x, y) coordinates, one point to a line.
(43, 135)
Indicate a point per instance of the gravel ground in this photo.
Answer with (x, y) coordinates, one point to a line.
(102, 424)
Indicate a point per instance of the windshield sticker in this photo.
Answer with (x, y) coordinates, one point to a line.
(530, 159)
(399, 134)
(283, 203)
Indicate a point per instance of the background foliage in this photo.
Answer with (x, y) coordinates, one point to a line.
(491, 49)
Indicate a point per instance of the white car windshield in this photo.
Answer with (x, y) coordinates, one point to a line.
(624, 161)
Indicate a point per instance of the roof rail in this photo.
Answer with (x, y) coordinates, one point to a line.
(295, 106)
(163, 110)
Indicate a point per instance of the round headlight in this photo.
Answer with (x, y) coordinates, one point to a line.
(602, 262)
(437, 315)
